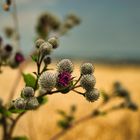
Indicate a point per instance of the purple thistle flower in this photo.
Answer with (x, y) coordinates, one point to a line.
(19, 57)
(64, 78)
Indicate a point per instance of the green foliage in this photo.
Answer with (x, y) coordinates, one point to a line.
(5, 112)
(105, 96)
(12, 109)
(67, 119)
(61, 112)
(63, 124)
(42, 100)
(34, 58)
(73, 108)
(29, 80)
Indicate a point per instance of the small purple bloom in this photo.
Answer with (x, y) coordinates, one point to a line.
(64, 78)
(19, 57)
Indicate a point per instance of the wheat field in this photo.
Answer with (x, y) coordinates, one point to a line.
(118, 125)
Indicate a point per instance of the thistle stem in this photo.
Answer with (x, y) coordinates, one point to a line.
(81, 120)
(78, 92)
(77, 81)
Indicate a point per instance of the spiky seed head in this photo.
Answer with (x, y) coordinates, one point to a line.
(54, 42)
(88, 82)
(32, 103)
(28, 92)
(92, 95)
(47, 81)
(87, 68)
(45, 48)
(19, 103)
(39, 42)
(65, 65)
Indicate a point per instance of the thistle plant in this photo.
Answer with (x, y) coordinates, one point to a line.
(49, 24)
(45, 81)
(69, 120)
(9, 56)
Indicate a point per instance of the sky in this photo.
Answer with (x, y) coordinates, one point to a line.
(110, 29)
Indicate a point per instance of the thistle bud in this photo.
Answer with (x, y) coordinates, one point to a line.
(19, 103)
(28, 92)
(87, 68)
(132, 106)
(32, 103)
(47, 60)
(69, 23)
(6, 51)
(47, 81)
(75, 18)
(39, 42)
(65, 65)
(8, 48)
(92, 95)
(88, 82)
(54, 42)
(45, 48)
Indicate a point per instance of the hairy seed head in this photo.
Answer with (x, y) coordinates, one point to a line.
(47, 81)
(88, 82)
(92, 95)
(87, 68)
(65, 65)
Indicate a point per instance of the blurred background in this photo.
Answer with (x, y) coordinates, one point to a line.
(109, 30)
(109, 37)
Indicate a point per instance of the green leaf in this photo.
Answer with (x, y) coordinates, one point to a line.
(12, 109)
(30, 80)
(105, 96)
(5, 112)
(20, 138)
(70, 118)
(42, 100)
(61, 112)
(63, 124)
(34, 58)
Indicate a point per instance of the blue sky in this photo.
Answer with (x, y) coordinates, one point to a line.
(109, 29)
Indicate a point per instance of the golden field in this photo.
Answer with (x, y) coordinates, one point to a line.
(118, 125)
